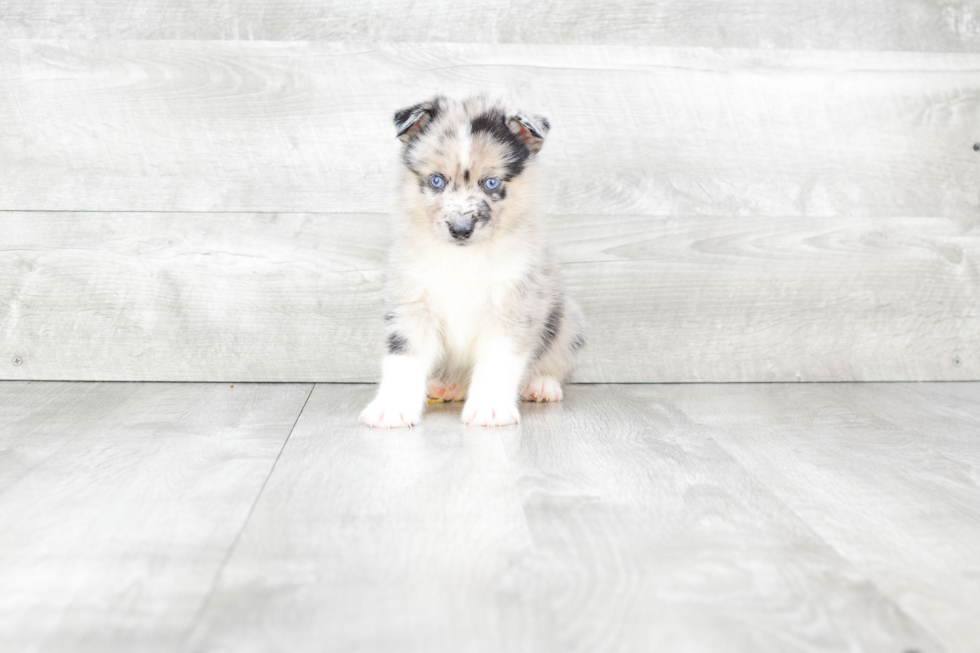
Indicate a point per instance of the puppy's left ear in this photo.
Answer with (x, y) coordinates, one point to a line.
(530, 129)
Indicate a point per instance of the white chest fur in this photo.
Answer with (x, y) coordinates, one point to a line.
(468, 291)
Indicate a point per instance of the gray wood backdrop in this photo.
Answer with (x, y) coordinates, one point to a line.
(739, 191)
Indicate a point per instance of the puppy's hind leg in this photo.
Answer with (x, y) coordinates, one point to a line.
(556, 355)
(542, 388)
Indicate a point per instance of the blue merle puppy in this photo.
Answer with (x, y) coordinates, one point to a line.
(475, 307)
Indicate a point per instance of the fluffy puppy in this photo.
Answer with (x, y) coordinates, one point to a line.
(474, 305)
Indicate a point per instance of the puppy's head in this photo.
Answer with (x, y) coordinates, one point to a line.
(468, 166)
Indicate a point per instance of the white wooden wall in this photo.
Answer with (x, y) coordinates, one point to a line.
(739, 191)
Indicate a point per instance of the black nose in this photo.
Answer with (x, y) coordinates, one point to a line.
(460, 230)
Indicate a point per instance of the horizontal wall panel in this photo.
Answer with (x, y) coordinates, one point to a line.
(859, 24)
(306, 127)
(190, 297)
(296, 297)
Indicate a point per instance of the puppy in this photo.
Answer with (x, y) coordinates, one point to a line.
(474, 304)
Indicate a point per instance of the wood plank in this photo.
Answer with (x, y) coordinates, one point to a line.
(372, 540)
(39, 419)
(837, 24)
(603, 523)
(296, 297)
(240, 126)
(793, 299)
(190, 297)
(113, 538)
(887, 474)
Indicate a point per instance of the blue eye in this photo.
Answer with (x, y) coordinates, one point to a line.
(437, 181)
(491, 183)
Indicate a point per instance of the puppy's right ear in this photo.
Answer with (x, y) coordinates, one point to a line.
(410, 122)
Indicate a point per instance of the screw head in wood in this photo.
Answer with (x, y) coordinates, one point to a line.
(17, 360)
(957, 361)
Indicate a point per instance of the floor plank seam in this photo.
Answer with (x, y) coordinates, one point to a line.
(192, 627)
(773, 493)
(774, 496)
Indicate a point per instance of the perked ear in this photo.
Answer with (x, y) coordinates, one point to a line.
(530, 129)
(409, 122)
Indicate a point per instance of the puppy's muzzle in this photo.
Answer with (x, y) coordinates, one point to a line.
(461, 230)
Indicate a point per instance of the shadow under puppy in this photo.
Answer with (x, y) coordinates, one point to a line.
(474, 304)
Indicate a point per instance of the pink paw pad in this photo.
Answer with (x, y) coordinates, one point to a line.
(439, 390)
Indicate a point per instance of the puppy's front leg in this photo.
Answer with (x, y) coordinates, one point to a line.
(493, 391)
(401, 396)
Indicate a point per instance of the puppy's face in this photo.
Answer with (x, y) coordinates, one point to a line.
(467, 167)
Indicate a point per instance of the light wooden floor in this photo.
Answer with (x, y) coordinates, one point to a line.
(210, 517)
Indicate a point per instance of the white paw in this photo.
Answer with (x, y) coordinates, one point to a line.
(439, 390)
(498, 413)
(388, 414)
(542, 388)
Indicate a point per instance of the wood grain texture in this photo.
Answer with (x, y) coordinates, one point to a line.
(861, 24)
(889, 475)
(790, 299)
(240, 126)
(296, 297)
(39, 419)
(119, 503)
(603, 523)
(191, 297)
